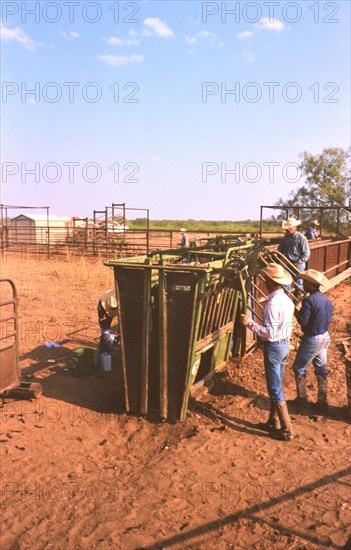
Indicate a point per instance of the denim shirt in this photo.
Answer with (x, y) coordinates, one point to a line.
(315, 314)
(295, 247)
(311, 233)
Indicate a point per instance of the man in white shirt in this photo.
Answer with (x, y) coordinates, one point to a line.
(275, 333)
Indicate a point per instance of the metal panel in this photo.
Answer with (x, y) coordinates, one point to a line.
(9, 377)
(9, 368)
(181, 293)
(130, 291)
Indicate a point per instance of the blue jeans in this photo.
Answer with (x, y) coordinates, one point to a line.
(275, 355)
(299, 282)
(105, 324)
(312, 349)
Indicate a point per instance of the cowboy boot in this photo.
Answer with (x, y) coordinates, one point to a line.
(272, 424)
(322, 393)
(285, 424)
(301, 393)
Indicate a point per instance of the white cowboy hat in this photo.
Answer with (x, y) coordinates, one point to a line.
(314, 222)
(315, 277)
(277, 273)
(290, 222)
(182, 230)
(108, 299)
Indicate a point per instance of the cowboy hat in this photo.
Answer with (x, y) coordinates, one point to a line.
(182, 230)
(314, 222)
(315, 277)
(277, 273)
(290, 222)
(108, 300)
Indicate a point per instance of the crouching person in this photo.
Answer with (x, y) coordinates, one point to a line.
(314, 317)
(107, 310)
(275, 333)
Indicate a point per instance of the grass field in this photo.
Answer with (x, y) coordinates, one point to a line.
(247, 226)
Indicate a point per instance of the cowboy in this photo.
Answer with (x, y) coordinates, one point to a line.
(275, 333)
(311, 232)
(107, 309)
(295, 248)
(184, 241)
(314, 317)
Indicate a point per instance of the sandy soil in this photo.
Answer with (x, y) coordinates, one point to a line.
(77, 473)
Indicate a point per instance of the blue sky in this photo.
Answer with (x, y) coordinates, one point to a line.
(180, 107)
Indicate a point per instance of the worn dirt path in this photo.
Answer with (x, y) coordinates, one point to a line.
(77, 473)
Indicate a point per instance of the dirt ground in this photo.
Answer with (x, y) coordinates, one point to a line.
(78, 473)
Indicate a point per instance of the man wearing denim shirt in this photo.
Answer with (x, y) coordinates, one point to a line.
(295, 247)
(311, 233)
(275, 333)
(314, 317)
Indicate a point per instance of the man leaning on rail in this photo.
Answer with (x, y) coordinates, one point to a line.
(311, 232)
(275, 333)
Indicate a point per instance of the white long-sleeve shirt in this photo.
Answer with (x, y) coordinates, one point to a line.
(277, 318)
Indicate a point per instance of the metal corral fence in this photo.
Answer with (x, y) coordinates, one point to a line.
(89, 241)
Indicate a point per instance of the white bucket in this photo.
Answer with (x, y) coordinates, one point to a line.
(105, 362)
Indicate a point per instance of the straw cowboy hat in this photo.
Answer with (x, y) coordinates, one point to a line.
(182, 230)
(315, 277)
(290, 222)
(277, 273)
(315, 222)
(108, 300)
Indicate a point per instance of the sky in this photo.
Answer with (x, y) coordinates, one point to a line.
(192, 109)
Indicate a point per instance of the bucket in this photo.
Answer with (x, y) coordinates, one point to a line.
(78, 352)
(105, 362)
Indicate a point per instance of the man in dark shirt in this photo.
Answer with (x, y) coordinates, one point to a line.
(314, 317)
(184, 241)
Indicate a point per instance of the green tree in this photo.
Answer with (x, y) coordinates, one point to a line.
(327, 183)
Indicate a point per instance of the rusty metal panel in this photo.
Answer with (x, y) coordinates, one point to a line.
(9, 376)
(316, 260)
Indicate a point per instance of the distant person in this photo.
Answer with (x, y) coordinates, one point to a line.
(184, 241)
(314, 317)
(107, 310)
(311, 232)
(295, 248)
(275, 332)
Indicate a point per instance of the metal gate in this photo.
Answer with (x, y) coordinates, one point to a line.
(10, 384)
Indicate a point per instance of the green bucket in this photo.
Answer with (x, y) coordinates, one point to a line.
(79, 351)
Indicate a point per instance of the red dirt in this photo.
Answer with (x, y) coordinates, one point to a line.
(77, 473)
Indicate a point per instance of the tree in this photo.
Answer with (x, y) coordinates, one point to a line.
(327, 183)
